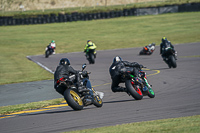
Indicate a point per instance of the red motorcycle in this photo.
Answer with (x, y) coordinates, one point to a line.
(148, 50)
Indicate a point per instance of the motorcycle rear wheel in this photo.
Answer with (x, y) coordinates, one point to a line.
(73, 99)
(135, 92)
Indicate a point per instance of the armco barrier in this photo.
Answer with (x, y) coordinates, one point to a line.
(189, 7)
(52, 18)
(146, 11)
(167, 9)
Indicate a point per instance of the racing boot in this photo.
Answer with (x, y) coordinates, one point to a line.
(82, 89)
(119, 89)
(175, 55)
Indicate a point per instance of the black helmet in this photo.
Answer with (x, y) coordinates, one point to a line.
(64, 61)
(88, 41)
(164, 39)
(117, 59)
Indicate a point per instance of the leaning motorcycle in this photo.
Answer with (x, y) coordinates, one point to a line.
(90, 55)
(147, 51)
(49, 51)
(137, 88)
(77, 100)
(170, 55)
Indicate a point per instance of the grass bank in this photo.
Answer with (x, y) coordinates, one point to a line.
(189, 124)
(17, 42)
(29, 106)
(35, 7)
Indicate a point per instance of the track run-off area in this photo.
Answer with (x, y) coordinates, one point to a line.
(176, 93)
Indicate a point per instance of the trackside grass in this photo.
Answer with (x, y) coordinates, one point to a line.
(189, 124)
(17, 42)
(28, 106)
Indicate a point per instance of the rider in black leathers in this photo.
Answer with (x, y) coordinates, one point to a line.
(164, 44)
(119, 66)
(63, 70)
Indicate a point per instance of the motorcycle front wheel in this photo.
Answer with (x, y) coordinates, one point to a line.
(141, 52)
(73, 99)
(47, 54)
(172, 61)
(133, 90)
(91, 58)
(97, 101)
(151, 93)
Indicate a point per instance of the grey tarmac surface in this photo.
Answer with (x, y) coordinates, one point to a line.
(177, 93)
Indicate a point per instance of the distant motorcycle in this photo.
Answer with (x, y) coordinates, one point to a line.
(49, 51)
(148, 50)
(90, 55)
(77, 100)
(170, 55)
(137, 88)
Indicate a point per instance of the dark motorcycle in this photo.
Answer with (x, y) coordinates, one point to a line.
(148, 50)
(49, 51)
(170, 59)
(90, 55)
(137, 88)
(77, 100)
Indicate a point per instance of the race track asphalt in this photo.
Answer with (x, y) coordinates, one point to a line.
(177, 93)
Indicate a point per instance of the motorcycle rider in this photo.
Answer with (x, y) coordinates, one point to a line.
(151, 47)
(90, 45)
(63, 70)
(52, 45)
(119, 66)
(164, 44)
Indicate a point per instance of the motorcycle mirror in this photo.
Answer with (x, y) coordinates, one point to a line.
(83, 66)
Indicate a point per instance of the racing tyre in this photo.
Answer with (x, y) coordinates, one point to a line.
(92, 61)
(173, 61)
(141, 52)
(151, 93)
(73, 99)
(97, 101)
(133, 90)
(47, 54)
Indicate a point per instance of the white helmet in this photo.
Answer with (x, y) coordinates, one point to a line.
(117, 59)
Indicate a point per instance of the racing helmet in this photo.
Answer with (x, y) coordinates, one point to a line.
(52, 41)
(88, 41)
(117, 59)
(64, 61)
(164, 39)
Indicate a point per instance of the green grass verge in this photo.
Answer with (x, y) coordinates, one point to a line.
(17, 42)
(29, 106)
(189, 124)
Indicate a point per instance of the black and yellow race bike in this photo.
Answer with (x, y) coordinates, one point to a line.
(77, 100)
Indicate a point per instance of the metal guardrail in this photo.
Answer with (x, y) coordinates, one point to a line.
(43, 19)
